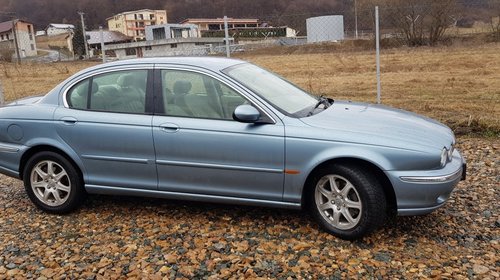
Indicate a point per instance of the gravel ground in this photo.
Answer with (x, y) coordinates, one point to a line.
(113, 237)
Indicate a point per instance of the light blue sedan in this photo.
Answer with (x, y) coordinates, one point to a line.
(223, 130)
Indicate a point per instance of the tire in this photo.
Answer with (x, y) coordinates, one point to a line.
(53, 183)
(352, 209)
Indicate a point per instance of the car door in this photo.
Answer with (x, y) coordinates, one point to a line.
(200, 149)
(107, 122)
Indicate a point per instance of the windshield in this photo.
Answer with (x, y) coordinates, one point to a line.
(285, 96)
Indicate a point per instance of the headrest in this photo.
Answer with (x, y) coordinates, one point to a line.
(125, 80)
(182, 87)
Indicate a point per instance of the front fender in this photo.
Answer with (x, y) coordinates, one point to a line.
(304, 155)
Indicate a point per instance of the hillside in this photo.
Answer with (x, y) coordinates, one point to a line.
(277, 12)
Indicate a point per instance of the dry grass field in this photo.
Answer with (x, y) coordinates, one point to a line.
(459, 86)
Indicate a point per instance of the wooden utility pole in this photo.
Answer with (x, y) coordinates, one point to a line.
(84, 35)
(16, 45)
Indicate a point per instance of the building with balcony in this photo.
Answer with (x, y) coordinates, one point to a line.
(218, 23)
(133, 23)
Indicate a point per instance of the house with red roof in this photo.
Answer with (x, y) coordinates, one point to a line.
(19, 31)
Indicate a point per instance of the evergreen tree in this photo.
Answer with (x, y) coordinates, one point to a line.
(78, 42)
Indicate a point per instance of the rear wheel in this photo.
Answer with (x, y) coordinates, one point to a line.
(347, 201)
(52, 183)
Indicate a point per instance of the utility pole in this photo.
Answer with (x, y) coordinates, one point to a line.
(226, 32)
(15, 41)
(356, 17)
(103, 51)
(84, 35)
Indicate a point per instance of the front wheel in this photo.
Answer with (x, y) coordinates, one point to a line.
(52, 183)
(347, 201)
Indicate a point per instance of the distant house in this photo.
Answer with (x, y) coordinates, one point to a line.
(133, 23)
(218, 23)
(172, 31)
(167, 47)
(58, 28)
(109, 37)
(24, 33)
(239, 28)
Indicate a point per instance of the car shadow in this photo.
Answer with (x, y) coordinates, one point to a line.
(411, 228)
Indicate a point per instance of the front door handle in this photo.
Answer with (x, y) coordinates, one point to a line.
(69, 120)
(169, 127)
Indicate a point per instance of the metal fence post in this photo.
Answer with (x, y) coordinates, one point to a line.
(226, 32)
(2, 98)
(377, 43)
(103, 51)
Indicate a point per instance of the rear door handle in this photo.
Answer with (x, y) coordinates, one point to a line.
(169, 127)
(69, 120)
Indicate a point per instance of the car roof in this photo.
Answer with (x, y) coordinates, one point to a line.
(211, 63)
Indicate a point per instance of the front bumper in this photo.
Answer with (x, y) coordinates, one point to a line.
(421, 192)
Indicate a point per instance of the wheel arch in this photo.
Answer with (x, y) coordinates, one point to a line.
(384, 181)
(46, 148)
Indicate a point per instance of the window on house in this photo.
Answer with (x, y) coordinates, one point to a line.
(2, 37)
(151, 16)
(32, 47)
(148, 48)
(177, 32)
(159, 34)
(213, 27)
(130, 51)
(173, 46)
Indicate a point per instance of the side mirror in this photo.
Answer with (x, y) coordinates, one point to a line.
(246, 114)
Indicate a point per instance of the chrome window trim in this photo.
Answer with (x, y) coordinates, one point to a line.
(255, 102)
(67, 87)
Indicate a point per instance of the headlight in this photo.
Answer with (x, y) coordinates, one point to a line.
(444, 157)
(450, 152)
(447, 155)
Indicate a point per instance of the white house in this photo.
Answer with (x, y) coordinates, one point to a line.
(59, 28)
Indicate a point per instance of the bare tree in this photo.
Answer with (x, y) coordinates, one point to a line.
(494, 6)
(421, 22)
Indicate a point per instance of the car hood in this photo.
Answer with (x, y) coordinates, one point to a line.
(381, 125)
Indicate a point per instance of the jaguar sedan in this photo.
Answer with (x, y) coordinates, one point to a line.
(226, 131)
